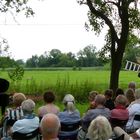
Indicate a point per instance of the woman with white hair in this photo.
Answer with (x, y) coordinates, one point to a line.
(70, 112)
(99, 129)
(69, 116)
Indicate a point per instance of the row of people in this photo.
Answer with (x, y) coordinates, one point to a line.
(70, 113)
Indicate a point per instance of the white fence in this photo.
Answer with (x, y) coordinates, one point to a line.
(132, 66)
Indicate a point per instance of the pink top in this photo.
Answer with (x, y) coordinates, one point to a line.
(49, 108)
(120, 112)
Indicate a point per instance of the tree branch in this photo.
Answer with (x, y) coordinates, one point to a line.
(102, 16)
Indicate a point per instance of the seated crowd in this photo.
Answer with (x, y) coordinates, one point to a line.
(105, 118)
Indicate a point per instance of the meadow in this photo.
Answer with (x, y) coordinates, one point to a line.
(78, 83)
(36, 82)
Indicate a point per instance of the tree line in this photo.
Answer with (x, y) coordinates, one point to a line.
(87, 57)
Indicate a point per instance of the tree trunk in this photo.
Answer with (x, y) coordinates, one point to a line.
(115, 69)
(114, 76)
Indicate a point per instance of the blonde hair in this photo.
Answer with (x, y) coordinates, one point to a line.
(99, 129)
(18, 98)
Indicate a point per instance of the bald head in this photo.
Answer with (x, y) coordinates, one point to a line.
(50, 125)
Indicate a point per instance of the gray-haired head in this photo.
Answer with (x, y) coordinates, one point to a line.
(28, 106)
(69, 103)
(99, 129)
(68, 98)
(50, 126)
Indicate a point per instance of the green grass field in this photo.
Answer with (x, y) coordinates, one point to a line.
(79, 83)
(99, 80)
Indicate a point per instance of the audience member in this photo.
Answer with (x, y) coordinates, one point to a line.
(30, 122)
(132, 85)
(16, 112)
(99, 129)
(49, 106)
(93, 113)
(119, 91)
(4, 98)
(70, 113)
(130, 95)
(109, 102)
(120, 112)
(50, 126)
(134, 108)
(118, 131)
(91, 98)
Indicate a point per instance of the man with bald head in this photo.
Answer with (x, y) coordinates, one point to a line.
(50, 126)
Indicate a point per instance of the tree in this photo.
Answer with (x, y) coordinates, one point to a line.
(32, 62)
(121, 17)
(16, 6)
(88, 56)
(133, 49)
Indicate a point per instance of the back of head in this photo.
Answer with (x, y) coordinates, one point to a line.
(100, 99)
(99, 129)
(119, 91)
(18, 98)
(130, 95)
(137, 93)
(68, 98)
(108, 93)
(49, 97)
(132, 85)
(92, 95)
(50, 125)
(28, 106)
(121, 100)
(69, 102)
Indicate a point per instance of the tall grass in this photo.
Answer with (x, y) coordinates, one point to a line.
(78, 83)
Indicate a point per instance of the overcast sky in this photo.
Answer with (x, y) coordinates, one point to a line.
(56, 24)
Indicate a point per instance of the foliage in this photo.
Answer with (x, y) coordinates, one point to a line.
(6, 62)
(55, 58)
(121, 17)
(133, 49)
(16, 6)
(16, 74)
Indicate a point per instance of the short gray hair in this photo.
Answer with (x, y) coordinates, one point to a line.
(28, 105)
(99, 129)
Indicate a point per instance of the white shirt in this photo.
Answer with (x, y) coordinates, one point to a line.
(26, 125)
(133, 109)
